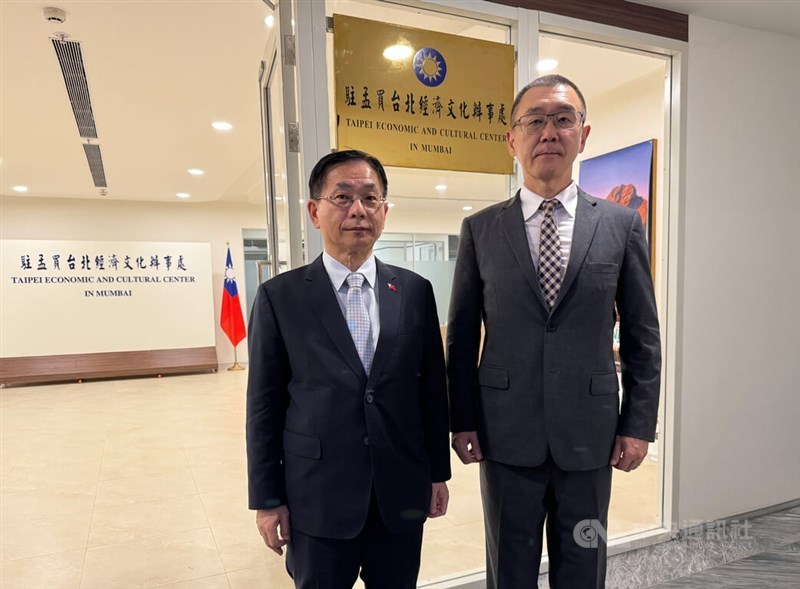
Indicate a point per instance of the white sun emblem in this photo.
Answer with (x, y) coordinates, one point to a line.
(429, 67)
(229, 275)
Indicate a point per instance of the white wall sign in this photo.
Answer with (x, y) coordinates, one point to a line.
(77, 297)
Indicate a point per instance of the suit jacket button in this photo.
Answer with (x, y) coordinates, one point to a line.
(369, 398)
(366, 440)
(551, 328)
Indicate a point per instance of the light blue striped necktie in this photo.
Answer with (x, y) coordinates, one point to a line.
(358, 320)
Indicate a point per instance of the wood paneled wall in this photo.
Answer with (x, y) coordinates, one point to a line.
(68, 367)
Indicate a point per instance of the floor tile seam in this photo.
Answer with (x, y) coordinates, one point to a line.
(455, 525)
(205, 513)
(158, 472)
(91, 517)
(148, 474)
(234, 454)
(147, 537)
(7, 490)
(173, 583)
(143, 446)
(152, 500)
(46, 554)
(240, 569)
(27, 519)
(187, 580)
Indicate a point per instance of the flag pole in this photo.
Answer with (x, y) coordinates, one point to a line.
(236, 365)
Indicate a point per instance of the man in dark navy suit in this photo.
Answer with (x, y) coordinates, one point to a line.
(347, 418)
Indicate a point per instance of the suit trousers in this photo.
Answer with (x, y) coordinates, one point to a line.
(517, 501)
(386, 560)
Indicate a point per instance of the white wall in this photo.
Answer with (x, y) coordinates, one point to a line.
(106, 220)
(629, 114)
(739, 410)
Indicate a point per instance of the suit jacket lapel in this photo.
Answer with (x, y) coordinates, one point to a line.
(514, 226)
(327, 309)
(586, 218)
(389, 305)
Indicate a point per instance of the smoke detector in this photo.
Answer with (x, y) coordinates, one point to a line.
(52, 14)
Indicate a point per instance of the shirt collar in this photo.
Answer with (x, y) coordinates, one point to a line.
(338, 272)
(531, 201)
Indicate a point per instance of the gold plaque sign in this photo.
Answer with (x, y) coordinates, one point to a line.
(421, 99)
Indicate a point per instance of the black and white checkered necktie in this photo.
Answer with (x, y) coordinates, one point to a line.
(549, 253)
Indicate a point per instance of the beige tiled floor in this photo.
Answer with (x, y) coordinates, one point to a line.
(142, 483)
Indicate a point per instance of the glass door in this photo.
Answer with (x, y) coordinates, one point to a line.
(280, 136)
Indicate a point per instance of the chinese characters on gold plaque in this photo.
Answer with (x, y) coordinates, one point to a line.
(422, 99)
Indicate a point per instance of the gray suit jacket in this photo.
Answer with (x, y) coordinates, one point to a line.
(546, 378)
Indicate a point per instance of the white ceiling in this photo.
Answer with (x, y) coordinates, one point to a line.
(160, 72)
(778, 16)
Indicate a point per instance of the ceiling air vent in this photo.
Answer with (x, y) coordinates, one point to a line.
(71, 62)
(95, 159)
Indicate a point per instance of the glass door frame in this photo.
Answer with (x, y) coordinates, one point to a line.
(282, 51)
(265, 76)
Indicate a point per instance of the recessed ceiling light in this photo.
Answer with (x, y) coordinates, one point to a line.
(195, 171)
(182, 195)
(466, 208)
(547, 65)
(222, 125)
(397, 52)
(440, 187)
(269, 21)
(20, 188)
(391, 204)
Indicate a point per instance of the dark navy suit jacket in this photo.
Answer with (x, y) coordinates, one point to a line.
(321, 435)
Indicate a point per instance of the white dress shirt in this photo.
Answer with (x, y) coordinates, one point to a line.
(564, 217)
(338, 273)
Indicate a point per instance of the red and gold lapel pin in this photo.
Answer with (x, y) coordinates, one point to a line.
(391, 286)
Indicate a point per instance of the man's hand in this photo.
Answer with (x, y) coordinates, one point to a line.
(467, 447)
(628, 453)
(439, 499)
(268, 522)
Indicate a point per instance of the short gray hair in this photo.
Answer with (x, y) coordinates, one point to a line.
(549, 81)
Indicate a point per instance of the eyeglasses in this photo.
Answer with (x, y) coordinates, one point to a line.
(370, 202)
(535, 123)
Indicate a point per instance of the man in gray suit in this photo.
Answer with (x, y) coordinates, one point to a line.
(547, 273)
